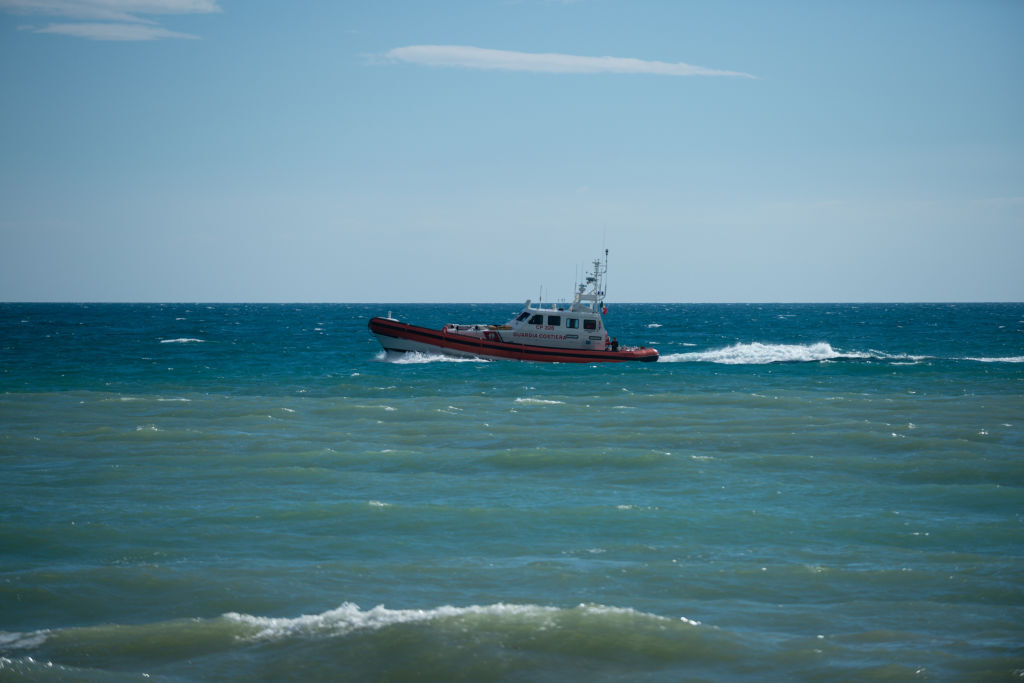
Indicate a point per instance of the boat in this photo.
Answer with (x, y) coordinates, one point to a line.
(567, 333)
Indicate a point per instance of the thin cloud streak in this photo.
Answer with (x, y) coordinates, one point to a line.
(115, 31)
(466, 56)
(109, 10)
(118, 20)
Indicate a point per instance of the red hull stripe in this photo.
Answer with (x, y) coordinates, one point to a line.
(483, 347)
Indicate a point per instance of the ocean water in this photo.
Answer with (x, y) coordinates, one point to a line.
(257, 492)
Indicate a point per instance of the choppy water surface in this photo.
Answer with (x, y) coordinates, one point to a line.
(258, 492)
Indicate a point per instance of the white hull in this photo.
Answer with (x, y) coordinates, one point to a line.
(409, 346)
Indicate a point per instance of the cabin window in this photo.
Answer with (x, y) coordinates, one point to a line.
(523, 316)
(555, 320)
(572, 323)
(590, 324)
(537, 320)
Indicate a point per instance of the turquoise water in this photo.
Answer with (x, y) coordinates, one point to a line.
(808, 492)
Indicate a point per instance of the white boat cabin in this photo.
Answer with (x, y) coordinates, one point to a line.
(576, 326)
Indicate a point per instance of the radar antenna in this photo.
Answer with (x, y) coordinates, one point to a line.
(590, 293)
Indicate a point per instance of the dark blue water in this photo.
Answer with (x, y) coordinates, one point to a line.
(256, 491)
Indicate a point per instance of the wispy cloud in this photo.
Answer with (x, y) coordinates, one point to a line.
(469, 57)
(109, 19)
(113, 31)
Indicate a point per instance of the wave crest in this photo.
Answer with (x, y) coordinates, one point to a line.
(349, 617)
(385, 643)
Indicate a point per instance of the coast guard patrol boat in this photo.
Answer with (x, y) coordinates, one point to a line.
(572, 333)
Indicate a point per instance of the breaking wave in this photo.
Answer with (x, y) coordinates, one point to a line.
(182, 340)
(439, 643)
(349, 618)
(343, 620)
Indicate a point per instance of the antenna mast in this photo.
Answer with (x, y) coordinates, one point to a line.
(592, 298)
(604, 276)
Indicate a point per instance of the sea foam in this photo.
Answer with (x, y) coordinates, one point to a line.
(349, 618)
(22, 641)
(416, 358)
(757, 353)
(539, 402)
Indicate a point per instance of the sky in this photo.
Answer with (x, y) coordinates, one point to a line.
(488, 150)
